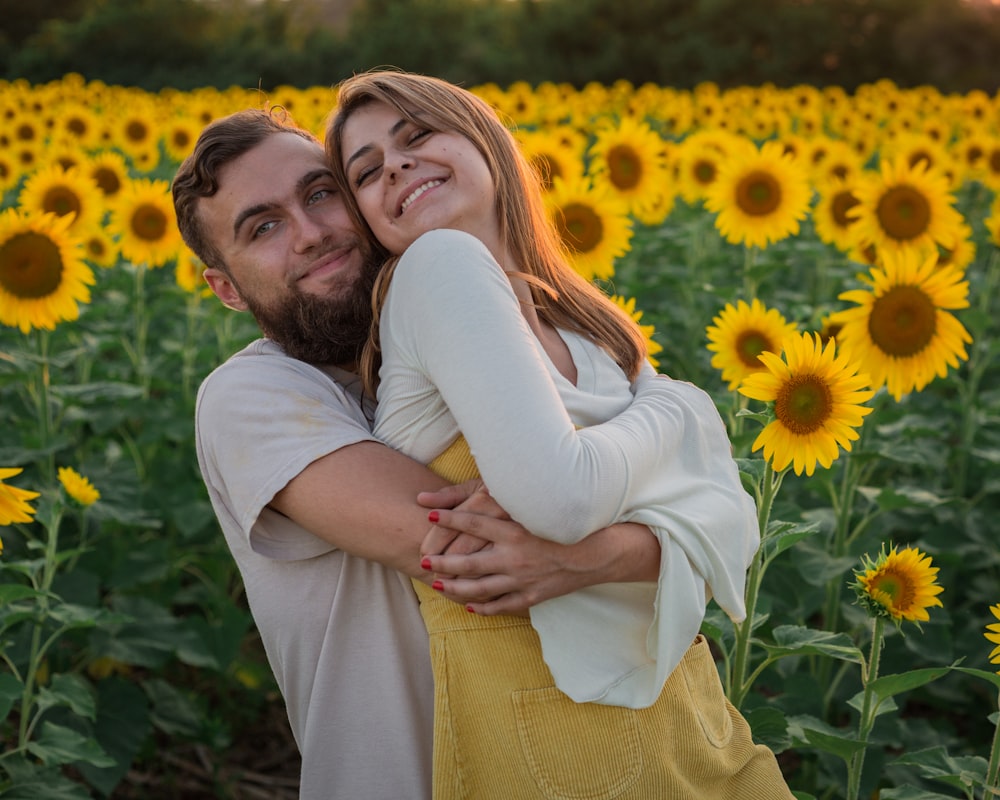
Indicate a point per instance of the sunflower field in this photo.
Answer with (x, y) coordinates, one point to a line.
(825, 263)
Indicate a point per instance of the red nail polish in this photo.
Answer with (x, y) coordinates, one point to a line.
(425, 563)
(470, 609)
(437, 586)
(433, 516)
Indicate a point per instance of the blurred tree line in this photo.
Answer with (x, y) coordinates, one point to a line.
(950, 44)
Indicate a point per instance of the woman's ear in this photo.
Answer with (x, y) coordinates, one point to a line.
(224, 289)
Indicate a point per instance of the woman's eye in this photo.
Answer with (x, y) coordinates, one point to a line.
(419, 134)
(363, 175)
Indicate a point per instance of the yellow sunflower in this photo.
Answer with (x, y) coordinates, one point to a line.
(830, 218)
(961, 252)
(652, 346)
(817, 395)
(42, 273)
(993, 635)
(740, 334)
(594, 225)
(143, 219)
(100, 249)
(66, 193)
(13, 501)
(630, 158)
(759, 197)
(10, 172)
(901, 331)
(109, 171)
(900, 585)
(179, 135)
(189, 274)
(550, 156)
(78, 487)
(905, 206)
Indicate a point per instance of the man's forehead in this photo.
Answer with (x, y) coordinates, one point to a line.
(284, 154)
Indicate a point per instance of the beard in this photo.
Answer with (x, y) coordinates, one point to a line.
(321, 330)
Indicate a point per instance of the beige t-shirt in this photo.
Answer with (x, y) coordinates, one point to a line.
(343, 635)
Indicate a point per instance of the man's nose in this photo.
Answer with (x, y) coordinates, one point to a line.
(311, 230)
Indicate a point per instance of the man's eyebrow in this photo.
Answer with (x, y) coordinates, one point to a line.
(365, 149)
(252, 211)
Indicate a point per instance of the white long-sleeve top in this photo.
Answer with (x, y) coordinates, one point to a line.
(567, 459)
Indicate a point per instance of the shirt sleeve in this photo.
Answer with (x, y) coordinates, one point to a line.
(452, 315)
(261, 419)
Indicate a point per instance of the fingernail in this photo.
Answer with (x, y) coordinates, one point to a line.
(470, 609)
(425, 563)
(437, 586)
(433, 516)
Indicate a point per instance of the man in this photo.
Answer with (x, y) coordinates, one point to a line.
(322, 519)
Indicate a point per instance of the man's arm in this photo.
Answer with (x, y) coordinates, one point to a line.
(361, 498)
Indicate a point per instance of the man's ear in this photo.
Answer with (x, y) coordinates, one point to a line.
(224, 289)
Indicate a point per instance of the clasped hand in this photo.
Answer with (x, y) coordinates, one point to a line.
(486, 561)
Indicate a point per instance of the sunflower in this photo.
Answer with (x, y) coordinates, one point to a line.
(13, 501)
(42, 273)
(143, 219)
(550, 157)
(109, 170)
(66, 193)
(652, 346)
(830, 218)
(961, 252)
(179, 135)
(100, 250)
(78, 487)
(901, 330)
(817, 395)
(630, 158)
(78, 122)
(189, 274)
(10, 172)
(905, 206)
(740, 334)
(593, 223)
(993, 635)
(900, 585)
(759, 197)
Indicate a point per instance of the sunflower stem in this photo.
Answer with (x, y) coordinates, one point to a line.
(749, 283)
(44, 405)
(868, 708)
(739, 684)
(992, 787)
(141, 330)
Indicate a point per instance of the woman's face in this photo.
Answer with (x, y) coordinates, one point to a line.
(409, 179)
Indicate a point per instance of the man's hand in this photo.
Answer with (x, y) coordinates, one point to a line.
(471, 496)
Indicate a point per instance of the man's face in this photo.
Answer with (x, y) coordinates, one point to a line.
(295, 259)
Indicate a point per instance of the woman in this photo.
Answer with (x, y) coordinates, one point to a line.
(489, 352)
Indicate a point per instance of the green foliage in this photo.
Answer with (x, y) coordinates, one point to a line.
(186, 44)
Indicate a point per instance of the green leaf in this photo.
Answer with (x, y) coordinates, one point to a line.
(782, 535)
(770, 728)
(13, 592)
(122, 727)
(992, 677)
(173, 712)
(31, 781)
(795, 640)
(890, 685)
(912, 793)
(59, 745)
(806, 730)
(69, 690)
(11, 690)
(935, 763)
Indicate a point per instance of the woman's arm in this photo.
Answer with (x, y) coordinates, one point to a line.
(452, 318)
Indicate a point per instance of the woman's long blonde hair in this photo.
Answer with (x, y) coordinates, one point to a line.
(563, 297)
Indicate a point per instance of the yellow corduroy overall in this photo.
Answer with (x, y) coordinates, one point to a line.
(503, 731)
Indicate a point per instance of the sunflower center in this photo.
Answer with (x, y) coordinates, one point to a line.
(136, 131)
(547, 169)
(581, 228)
(895, 587)
(842, 202)
(149, 223)
(76, 126)
(904, 213)
(61, 200)
(902, 322)
(31, 265)
(625, 167)
(994, 161)
(749, 345)
(758, 194)
(803, 404)
(107, 179)
(704, 172)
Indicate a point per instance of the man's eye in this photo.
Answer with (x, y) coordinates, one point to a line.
(319, 194)
(261, 229)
